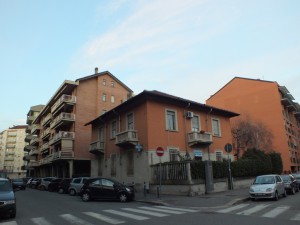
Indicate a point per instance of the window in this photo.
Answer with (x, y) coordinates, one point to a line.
(107, 183)
(113, 129)
(195, 124)
(101, 134)
(216, 127)
(112, 99)
(104, 97)
(112, 83)
(171, 120)
(104, 82)
(130, 125)
(174, 155)
(219, 156)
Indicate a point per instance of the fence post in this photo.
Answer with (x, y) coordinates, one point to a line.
(189, 174)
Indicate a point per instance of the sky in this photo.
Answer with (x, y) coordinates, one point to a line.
(186, 48)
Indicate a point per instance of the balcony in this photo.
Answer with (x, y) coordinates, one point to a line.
(63, 155)
(46, 134)
(35, 141)
(33, 164)
(10, 145)
(199, 138)
(28, 129)
(46, 120)
(64, 102)
(12, 134)
(97, 147)
(127, 138)
(63, 120)
(28, 158)
(28, 138)
(45, 147)
(33, 152)
(28, 148)
(35, 128)
(48, 159)
(30, 119)
(62, 135)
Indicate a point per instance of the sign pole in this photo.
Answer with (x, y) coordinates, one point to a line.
(159, 153)
(159, 175)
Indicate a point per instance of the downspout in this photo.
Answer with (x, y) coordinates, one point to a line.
(185, 132)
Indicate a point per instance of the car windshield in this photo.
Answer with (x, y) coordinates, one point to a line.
(17, 180)
(5, 185)
(264, 180)
(297, 176)
(286, 178)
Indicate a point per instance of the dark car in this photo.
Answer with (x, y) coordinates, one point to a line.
(7, 199)
(297, 177)
(35, 183)
(18, 183)
(64, 185)
(104, 188)
(53, 185)
(290, 183)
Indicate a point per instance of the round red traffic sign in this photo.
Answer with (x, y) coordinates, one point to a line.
(159, 151)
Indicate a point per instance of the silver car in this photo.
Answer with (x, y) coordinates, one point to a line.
(76, 184)
(267, 186)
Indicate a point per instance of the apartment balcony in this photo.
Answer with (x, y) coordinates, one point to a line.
(63, 120)
(35, 141)
(28, 158)
(28, 129)
(127, 138)
(62, 135)
(199, 138)
(63, 155)
(47, 120)
(25, 167)
(45, 147)
(65, 102)
(33, 164)
(9, 158)
(47, 160)
(12, 134)
(10, 145)
(33, 152)
(28, 148)
(35, 128)
(46, 134)
(30, 119)
(29, 137)
(97, 147)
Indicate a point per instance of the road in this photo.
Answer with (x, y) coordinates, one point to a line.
(47, 208)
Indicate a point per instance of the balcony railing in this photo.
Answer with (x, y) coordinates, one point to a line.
(62, 118)
(63, 155)
(34, 151)
(62, 135)
(46, 133)
(28, 148)
(195, 138)
(35, 128)
(97, 147)
(46, 120)
(70, 99)
(45, 146)
(127, 137)
(48, 159)
(33, 164)
(35, 141)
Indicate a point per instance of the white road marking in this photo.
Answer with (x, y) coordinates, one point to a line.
(161, 210)
(104, 218)
(40, 221)
(74, 220)
(230, 209)
(178, 209)
(253, 210)
(128, 215)
(9, 223)
(296, 217)
(145, 212)
(275, 212)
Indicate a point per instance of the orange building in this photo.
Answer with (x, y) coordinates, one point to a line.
(125, 139)
(58, 139)
(271, 104)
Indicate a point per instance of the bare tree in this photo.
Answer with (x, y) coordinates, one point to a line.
(250, 134)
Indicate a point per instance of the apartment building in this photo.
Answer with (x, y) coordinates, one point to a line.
(125, 139)
(59, 136)
(269, 103)
(12, 151)
(30, 151)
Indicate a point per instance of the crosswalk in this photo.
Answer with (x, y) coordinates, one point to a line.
(262, 210)
(111, 216)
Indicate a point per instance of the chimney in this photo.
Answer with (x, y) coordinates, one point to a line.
(96, 70)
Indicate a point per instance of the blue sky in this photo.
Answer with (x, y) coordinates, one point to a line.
(188, 48)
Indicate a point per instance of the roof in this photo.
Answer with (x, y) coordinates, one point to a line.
(101, 74)
(19, 127)
(165, 98)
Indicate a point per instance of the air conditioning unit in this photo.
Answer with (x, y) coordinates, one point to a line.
(189, 114)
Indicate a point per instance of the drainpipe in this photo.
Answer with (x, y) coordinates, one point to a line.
(185, 132)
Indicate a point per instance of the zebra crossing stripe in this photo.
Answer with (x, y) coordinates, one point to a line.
(230, 209)
(9, 223)
(178, 209)
(296, 217)
(74, 220)
(40, 221)
(253, 210)
(104, 218)
(162, 210)
(275, 212)
(128, 215)
(146, 212)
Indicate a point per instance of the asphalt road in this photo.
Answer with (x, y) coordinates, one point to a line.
(46, 208)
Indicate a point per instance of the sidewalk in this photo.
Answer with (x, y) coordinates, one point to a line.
(229, 197)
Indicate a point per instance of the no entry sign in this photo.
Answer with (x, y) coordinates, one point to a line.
(159, 151)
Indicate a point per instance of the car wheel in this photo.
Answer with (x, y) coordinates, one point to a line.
(284, 193)
(123, 197)
(86, 197)
(293, 191)
(72, 192)
(276, 197)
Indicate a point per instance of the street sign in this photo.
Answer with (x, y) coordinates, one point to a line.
(228, 148)
(159, 151)
(139, 147)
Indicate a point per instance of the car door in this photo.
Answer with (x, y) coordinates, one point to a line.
(280, 185)
(108, 190)
(95, 188)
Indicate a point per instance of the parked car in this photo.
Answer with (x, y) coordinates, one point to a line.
(297, 177)
(290, 183)
(64, 185)
(267, 186)
(53, 185)
(18, 183)
(7, 199)
(104, 188)
(45, 181)
(34, 183)
(76, 184)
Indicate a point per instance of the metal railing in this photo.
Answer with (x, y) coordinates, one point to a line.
(62, 99)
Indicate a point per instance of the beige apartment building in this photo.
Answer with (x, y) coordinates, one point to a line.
(12, 151)
(59, 136)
